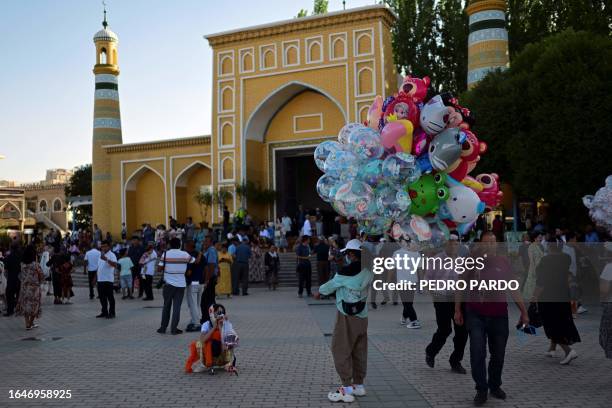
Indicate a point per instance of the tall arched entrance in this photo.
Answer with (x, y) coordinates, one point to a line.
(195, 178)
(283, 132)
(144, 199)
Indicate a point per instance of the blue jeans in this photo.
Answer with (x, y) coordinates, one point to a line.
(483, 330)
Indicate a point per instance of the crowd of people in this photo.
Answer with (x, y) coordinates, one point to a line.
(201, 264)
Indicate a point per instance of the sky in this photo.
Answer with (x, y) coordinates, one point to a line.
(47, 84)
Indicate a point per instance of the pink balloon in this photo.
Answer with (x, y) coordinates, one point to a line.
(396, 136)
(375, 112)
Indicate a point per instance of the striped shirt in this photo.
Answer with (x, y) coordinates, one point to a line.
(176, 264)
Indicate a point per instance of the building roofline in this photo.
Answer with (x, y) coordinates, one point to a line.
(158, 144)
(295, 24)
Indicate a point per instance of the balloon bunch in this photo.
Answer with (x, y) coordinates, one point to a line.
(405, 170)
(600, 205)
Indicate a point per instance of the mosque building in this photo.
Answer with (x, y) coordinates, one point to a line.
(279, 89)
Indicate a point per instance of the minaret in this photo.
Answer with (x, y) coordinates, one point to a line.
(488, 38)
(106, 123)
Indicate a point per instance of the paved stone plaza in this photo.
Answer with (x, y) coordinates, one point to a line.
(284, 360)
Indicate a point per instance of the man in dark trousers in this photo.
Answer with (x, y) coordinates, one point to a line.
(135, 252)
(243, 254)
(304, 269)
(106, 279)
(12, 265)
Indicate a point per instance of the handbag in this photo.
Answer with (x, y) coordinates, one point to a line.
(535, 319)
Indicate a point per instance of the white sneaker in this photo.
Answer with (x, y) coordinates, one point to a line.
(551, 353)
(582, 309)
(359, 390)
(342, 394)
(570, 356)
(403, 321)
(414, 325)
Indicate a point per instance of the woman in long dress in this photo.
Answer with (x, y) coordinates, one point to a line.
(554, 306)
(224, 283)
(535, 253)
(31, 278)
(256, 263)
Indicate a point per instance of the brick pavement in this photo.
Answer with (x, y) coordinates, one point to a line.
(284, 360)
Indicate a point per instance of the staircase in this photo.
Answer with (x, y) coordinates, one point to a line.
(287, 275)
(41, 217)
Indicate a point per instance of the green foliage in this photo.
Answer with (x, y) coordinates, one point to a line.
(530, 21)
(320, 6)
(430, 38)
(205, 200)
(221, 197)
(255, 193)
(80, 185)
(80, 182)
(545, 118)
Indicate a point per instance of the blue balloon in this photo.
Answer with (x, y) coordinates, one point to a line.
(400, 169)
(323, 150)
(325, 185)
(356, 199)
(366, 143)
(347, 129)
(424, 164)
(371, 172)
(376, 226)
(342, 165)
(392, 202)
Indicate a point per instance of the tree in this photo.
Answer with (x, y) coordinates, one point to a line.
(78, 186)
(544, 118)
(302, 13)
(320, 6)
(205, 200)
(453, 30)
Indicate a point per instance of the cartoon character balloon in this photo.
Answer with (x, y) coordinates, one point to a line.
(416, 88)
(463, 204)
(434, 116)
(342, 165)
(402, 107)
(490, 194)
(426, 194)
(396, 136)
(357, 199)
(445, 148)
(471, 149)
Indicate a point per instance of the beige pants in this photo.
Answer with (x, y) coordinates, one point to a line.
(350, 348)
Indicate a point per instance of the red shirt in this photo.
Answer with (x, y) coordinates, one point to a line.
(490, 303)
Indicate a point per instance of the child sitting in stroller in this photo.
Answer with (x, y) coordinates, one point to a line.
(216, 345)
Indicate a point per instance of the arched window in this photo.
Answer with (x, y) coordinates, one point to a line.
(103, 56)
(227, 99)
(364, 81)
(227, 134)
(57, 205)
(42, 206)
(227, 169)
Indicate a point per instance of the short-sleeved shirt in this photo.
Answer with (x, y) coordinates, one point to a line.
(106, 272)
(322, 251)
(212, 258)
(243, 253)
(175, 262)
(495, 268)
(125, 266)
(92, 257)
(149, 263)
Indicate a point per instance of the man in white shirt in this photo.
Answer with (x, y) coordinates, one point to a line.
(106, 278)
(307, 228)
(174, 264)
(92, 258)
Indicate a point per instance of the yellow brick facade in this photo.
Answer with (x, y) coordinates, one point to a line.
(284, 85)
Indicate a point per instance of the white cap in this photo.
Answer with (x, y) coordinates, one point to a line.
(353, 244)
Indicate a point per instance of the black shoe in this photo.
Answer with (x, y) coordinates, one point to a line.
(91, 298)
(177, 331)
(245, 294)
(110, 316)
(384, 302)
(102, 315)
(498, 393)
(430, 360)
(374, 305)
(458, 368)
(394, 303)
(147, 299)
(161, 331)
(480, 398)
